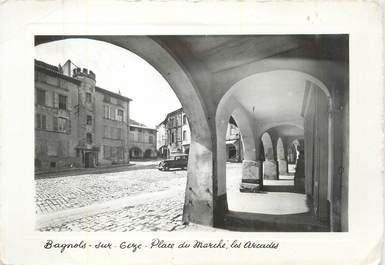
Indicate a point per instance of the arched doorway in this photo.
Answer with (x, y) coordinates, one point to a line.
(148, 153)
(136, 153)
(151, 50)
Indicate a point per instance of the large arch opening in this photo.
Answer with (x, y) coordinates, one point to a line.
(276, 107)
(198, 200)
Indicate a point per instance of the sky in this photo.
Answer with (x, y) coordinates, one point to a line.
(117, 69)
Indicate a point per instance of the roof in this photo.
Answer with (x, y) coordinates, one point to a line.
(115, 95)
(54, 70)
(136, 124)
(170, 114)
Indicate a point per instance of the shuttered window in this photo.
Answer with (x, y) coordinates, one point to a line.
(40, 97)
(54, 123)
(41, 121)
(62, 102)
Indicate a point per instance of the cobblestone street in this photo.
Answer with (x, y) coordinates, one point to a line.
(143, 198)
(140, 199)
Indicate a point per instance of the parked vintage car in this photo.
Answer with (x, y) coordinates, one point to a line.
(177, 161)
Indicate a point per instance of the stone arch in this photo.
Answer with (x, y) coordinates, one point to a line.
(226, 109)
(292, 152)
(270, 170)
(148, 153)
(267, 146)
(198, 206)
(135, 152)
(280, 149)
(281, 157)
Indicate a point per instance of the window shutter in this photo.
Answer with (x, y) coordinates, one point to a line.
(68, 126)
(55, 123)
(43, 122)
(55, 100)
(45, 98)
(68, 103)
(38, 121)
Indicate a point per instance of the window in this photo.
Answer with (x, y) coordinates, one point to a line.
(61, 124)
(184, 119)
(172, 137)
(40, 97)
(120, 115)
(88, 97)
(89, 120)
(140, 139)
(106, 132)
(184, 135)
(107, 98)
(132, 129)
(150, 139)
(54, 125)
(139, 130)
(41, 121)
(106, 112)
(113, 133)
(112, 114)
(119, 102)
(89, 138)
(62, 102)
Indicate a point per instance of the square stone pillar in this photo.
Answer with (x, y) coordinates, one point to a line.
(282, 167)
(251, 176)
(270, 169)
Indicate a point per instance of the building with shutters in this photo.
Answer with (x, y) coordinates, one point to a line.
(77, 124)
(173, 134)
(174, 137)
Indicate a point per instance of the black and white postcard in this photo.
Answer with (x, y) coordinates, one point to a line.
(237, 132)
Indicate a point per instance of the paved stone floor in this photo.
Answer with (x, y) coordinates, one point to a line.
(58, 197)
(141, 198)
(55, 194)
(275, 203)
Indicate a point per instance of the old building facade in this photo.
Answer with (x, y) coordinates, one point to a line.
(234, 148)
(77, 124)
(174, 137)
(142, 141)
(173, 134)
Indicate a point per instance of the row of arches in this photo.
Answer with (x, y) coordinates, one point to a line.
(211, 90)
(137, 153)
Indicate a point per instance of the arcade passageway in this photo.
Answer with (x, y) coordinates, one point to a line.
(289, 96)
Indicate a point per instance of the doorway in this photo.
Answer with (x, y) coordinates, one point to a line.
(89, 160)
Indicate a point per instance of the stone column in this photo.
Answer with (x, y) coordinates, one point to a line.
(270, 169)
(251, 176)
(299, 176)
(282, 166)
